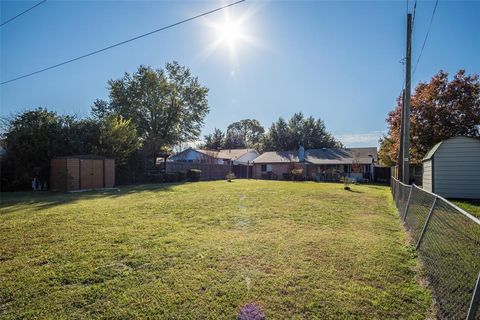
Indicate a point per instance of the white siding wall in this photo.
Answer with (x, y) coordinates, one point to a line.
(427, 175)
(456, 166)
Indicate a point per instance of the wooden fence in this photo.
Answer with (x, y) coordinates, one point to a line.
(210, 171)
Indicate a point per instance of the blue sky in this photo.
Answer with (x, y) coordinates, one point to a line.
(337, 60)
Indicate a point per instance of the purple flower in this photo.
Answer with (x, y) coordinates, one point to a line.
(251, 311)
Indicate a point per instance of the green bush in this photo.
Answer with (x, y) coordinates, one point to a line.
(287, 176)
(297, 174)
(230, 176)
(182, 175)
(194, 174)
(269, 176)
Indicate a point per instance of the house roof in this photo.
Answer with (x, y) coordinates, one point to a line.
(235, 153)
(322, 156)
(226, 154)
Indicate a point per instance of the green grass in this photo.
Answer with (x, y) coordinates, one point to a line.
(202, 250)
(472, 206)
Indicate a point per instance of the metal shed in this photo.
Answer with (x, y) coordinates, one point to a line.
(451, 168)
(81, 172)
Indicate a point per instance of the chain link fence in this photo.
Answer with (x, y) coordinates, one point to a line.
(448, 243)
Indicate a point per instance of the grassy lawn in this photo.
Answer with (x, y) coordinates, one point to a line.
(203, 250)
(471, 206)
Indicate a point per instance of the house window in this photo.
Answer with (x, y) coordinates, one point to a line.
(266, 168)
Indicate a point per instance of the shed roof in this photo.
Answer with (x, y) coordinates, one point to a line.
(434, 149)
(83, 156)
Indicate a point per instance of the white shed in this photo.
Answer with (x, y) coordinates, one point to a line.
(451, 168)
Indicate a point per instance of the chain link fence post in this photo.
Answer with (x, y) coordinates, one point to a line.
(426, 224)
(408, 203)
(472, 310)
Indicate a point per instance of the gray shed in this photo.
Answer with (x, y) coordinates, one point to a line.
(451, 168)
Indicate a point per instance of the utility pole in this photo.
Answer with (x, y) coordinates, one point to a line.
(406, 105)
(400, 149)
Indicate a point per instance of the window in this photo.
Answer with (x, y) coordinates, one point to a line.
(266, 168)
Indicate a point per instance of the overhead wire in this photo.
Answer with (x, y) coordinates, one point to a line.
(426, 37)
(121, 43)
(21, 13)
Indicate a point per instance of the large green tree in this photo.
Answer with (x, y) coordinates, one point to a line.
(215, 140)
(308, 132)
(245, 133)
(118, 138)
(440, 109)
(167, 106)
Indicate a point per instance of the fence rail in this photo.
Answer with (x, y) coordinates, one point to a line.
(447, 239)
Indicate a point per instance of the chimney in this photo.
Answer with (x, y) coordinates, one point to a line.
(301, 154)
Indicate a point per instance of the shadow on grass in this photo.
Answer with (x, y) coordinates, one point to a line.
(41, 200)
(353, 191)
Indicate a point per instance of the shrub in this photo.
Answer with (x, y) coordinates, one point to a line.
(194, 174)
(182, 176)
(297, 174)
(269, 176)
(346, 182)
(230, 176)
(287, 176)
(171, 177)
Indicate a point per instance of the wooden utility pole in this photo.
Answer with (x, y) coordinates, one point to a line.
(406, 105)
(400, 148)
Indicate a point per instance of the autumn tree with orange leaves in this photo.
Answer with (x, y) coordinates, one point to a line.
(440, 109)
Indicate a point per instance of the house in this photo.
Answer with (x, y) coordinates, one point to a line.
(222, 156)
(450, 168)
(326, 164)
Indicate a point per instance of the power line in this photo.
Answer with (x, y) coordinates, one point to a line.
(122, 42)
(426, 37)
(414, 11)
(18, 15)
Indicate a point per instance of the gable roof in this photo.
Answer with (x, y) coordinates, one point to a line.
(224, 154)
(236, 153)
(322, 156)
(434, 149)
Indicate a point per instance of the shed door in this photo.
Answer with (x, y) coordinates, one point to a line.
(86, 181)
(97, 173)
(92, 174)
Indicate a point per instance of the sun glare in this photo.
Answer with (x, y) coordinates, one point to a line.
(230, 33)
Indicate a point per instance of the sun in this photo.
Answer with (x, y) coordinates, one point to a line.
(229, 33)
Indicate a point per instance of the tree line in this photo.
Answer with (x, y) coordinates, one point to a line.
(298, 131)
(440, 109)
